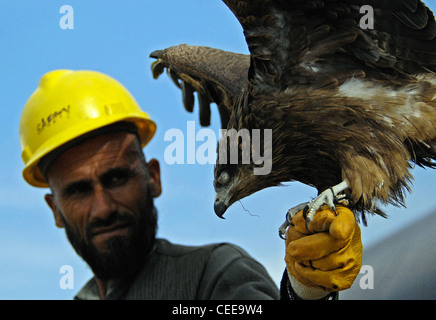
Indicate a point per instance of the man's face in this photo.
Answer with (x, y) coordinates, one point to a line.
(103, 196)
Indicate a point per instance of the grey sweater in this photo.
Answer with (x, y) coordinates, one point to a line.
(211, 272)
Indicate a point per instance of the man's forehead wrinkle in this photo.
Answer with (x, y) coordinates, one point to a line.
(101, 146)
(114, 151)
(128, 150)
(101, 152)
(109, 155)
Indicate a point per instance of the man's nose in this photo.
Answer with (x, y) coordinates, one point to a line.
(103, 204)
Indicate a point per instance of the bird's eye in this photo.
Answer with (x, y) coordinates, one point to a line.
(223, 178)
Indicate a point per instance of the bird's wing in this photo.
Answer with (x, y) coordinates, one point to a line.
(324, 42)
(217, 76)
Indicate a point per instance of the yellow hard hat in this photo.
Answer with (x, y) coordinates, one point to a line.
(68, 104)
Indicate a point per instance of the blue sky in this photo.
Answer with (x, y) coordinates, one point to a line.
(116, 37)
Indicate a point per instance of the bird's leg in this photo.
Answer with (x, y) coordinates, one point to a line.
(327, 197)
(289, 215)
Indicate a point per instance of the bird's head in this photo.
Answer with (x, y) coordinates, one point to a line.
(232, 183)
(245, 155)
(243, 167)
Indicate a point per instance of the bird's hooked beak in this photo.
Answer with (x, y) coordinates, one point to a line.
(220, 207)
(223, 197)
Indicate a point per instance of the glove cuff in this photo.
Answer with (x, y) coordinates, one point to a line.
(306, 293)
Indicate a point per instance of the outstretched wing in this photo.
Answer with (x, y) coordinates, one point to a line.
(325, 42)
(217, 76)
(310, 43)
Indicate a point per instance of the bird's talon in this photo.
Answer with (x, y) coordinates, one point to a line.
(283, 227)
(307, 224)
(289, 216)
(334, 210)
(305, 211)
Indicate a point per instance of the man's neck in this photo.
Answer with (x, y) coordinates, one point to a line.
(102, 287)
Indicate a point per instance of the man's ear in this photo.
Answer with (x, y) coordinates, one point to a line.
(50, 199)
(153, 167)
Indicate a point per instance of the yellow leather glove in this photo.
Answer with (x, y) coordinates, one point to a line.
(326, 255)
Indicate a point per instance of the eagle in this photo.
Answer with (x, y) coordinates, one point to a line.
(348, 88)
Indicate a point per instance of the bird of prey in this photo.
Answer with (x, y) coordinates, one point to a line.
(348, 88)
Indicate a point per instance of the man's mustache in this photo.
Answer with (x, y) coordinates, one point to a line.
(113, 221)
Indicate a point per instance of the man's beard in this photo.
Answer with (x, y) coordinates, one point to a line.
(124, 256)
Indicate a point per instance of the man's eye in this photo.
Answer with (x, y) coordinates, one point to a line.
(116, 178)
(79, 188)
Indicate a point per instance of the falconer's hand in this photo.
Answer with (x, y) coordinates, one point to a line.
(325, 256)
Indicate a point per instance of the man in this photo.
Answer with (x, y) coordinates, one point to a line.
(82, 135)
